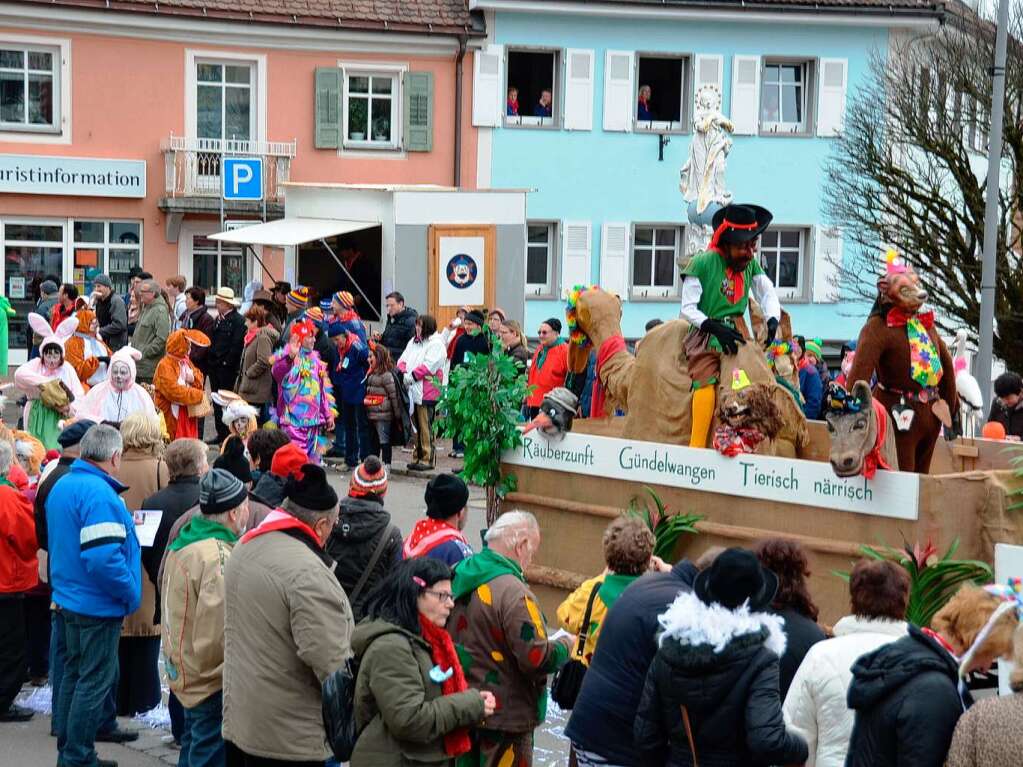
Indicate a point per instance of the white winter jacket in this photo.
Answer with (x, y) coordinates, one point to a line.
(815, 705)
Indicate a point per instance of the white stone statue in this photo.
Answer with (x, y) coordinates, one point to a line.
(703, 176)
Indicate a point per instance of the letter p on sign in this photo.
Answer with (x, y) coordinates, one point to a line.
(243, 178)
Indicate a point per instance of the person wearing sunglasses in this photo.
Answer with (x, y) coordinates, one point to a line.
(412, 703)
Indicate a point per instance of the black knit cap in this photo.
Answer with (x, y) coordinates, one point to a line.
(234, 460)
(476, 316)
(554, 323)
(311, 490)
(446, 495)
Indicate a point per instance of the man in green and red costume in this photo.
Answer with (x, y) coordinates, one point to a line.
(716, 288)
(501, 638)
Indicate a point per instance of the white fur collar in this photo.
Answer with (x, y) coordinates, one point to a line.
(854, 624)
(691, 622)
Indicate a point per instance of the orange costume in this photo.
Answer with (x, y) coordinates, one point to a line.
(178, 383)
(83, 350)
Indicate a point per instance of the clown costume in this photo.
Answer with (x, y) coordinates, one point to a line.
(40, 421)
(305, 402)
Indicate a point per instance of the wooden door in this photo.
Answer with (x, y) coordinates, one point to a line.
(461, 269)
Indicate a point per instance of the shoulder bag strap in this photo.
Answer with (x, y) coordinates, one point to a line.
(689, 733)
(371, 565)
(584, 629)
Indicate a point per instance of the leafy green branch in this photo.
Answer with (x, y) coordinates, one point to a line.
(667, 528)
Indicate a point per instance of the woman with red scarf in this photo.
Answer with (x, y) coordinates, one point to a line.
(412, 704)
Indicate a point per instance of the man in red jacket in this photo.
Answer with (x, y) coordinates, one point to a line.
(19, 572)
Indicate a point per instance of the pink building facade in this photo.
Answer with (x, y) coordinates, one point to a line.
(115, 125)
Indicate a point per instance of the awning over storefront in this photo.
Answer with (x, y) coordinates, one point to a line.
(292, 231)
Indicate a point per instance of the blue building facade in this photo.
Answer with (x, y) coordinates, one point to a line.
(621, 79)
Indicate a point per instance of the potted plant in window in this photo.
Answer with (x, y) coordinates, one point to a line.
(382, 129)
(357, 120)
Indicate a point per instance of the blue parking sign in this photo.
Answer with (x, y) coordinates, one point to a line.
(243, 178)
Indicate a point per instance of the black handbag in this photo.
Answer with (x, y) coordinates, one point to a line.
(569, 679)
(339, 710)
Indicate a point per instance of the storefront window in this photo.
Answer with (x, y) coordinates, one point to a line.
(223, 267)
(32, 253)
(113, 247)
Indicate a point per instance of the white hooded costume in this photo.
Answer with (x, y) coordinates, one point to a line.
(34, 373)
(105, 402)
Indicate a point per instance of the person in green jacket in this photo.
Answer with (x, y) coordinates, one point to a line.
(412, 704)
(6, 312)
(152, 329)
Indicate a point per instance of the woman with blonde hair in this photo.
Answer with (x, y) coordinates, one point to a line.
(144, 471)
(514, 342)
(988, 733)
(909, 695)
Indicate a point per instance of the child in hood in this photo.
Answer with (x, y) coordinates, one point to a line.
(179, 383)
(49, 381)
(87, 353)
(117, 397)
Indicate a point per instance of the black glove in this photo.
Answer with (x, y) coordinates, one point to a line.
(772, 329)
(727, 336)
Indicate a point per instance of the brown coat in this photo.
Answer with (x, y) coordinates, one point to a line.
(988, 734)
(287, 626)
(501, 626)
(382, 384)
(144, 474)
(885, 351)
(254, 379)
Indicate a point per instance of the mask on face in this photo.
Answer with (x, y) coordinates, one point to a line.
(52, 357)
(120, 376)
(240, 425)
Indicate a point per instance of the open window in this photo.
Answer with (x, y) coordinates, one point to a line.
(660, 93)
(361, 253)
(786, 96)
(784, 256)
(532, 93)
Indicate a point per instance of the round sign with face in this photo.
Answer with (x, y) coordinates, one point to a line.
(462, 271)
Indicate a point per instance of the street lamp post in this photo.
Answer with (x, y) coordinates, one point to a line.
(991, 213)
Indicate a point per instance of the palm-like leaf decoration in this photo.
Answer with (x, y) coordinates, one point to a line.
(667, 528)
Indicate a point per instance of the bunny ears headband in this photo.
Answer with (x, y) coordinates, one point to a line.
(64, 330)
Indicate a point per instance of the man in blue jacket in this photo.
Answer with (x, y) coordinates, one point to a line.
(348, 377)
(96, 577)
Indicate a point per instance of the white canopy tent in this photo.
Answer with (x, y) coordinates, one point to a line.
(298, 230)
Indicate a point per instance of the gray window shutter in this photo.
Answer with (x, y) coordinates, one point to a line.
(328, 107)
(418, 111)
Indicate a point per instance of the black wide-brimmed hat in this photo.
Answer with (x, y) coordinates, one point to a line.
(743, 223)
(735, 576)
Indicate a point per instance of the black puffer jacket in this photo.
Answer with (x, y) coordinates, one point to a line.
(801, 634)
(269, 489)
(606, 707)
(907, 704)
(731, 693)
(399, 331)
(360, 524)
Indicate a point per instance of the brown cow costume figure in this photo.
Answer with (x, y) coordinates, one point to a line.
(915, 376)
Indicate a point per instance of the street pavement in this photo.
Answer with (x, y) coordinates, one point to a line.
(30, 745)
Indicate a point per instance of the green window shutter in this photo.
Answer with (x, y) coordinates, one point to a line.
(328, 107)
(418, 98)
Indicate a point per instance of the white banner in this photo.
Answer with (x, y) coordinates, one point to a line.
(76, 176)
(806, 483)
(461, 271)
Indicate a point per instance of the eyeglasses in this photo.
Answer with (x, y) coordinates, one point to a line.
(442, 596)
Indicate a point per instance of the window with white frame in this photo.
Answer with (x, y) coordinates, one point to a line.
(661, 92)
(532, 91)
(29, 88)
(786, 96)
(225, 103)
(783, 255)
(33, 252)
(541, 239)
(371, 109)
(654, 253)
(217, 264)
(110, 247)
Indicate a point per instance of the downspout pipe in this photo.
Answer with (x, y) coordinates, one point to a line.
(458, 110)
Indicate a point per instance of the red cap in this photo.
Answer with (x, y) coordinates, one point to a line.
(288, 461)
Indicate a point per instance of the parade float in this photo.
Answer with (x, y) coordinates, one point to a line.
(831, 485)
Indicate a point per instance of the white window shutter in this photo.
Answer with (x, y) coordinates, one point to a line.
(831, 99)
(619, 93)
(614, 255)
(575, 259)
(487, 101)
(827, 259)
(745, 107)
(578, 89)
(708, 69)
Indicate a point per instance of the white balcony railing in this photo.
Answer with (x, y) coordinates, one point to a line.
(192, 165)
